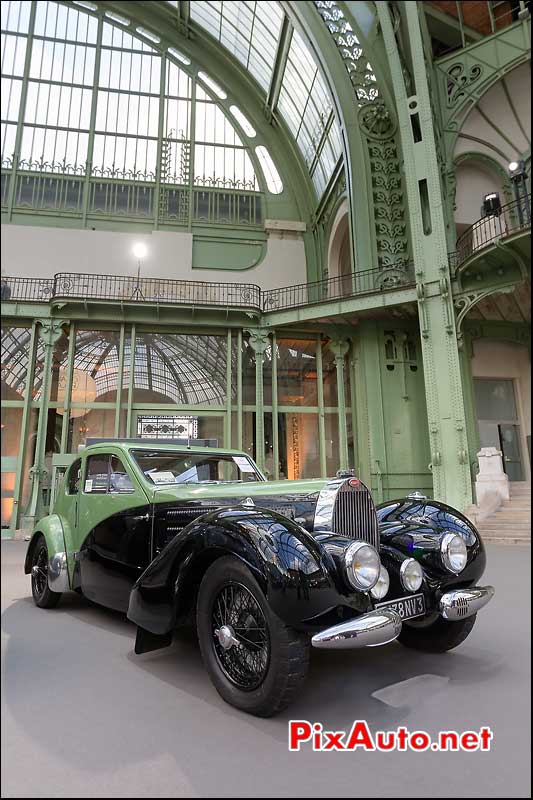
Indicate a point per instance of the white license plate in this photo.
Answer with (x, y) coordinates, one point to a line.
(406, 607)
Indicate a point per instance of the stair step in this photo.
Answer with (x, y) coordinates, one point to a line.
(506, 540)
(495, 527)
(499, 532)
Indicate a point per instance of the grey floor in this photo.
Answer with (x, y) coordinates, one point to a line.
(84, 717)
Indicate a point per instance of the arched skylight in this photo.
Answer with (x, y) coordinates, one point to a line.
(243, 121)
(130, 109)
(250, 31)
(307, 108)
(274, 182)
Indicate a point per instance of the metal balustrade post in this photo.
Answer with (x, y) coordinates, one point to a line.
(259, 341)
(340, 348)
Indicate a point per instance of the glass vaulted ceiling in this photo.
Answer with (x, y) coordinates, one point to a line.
(251, 32)
(98, 96)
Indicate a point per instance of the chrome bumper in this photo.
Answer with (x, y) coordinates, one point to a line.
(462, 603)
(369, 630)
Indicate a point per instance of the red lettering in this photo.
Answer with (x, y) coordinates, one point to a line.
(360, 736)
(317, 736)
(469, 740)
(485, 734)
(385, 740)
(419, 740)
(333, 741)
(299, 731)
(402, 734)
(449, 740)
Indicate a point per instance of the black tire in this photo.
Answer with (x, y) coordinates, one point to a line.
(438, 637)
(43, 597)
(279, 655)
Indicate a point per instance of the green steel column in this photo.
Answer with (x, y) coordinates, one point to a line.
(23, 442)
(239, 390)
(355, 436)
(228, 391)
(68, 388)
(157, 190)
(92, 122)
(22, 112)
(131, 382)
(259, 341)
(120, 379)
(192, 135)
(442, 375)
(275, 430)
(361, 405)
(50, 331)
(340, 348)
(321, 412)
(472, 432)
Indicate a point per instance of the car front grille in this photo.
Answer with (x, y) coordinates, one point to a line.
(354, 514)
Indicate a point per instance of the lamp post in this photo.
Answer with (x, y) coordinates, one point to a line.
(139, 250)
(518, 175)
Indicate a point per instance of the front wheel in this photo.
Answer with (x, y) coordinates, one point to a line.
(438, 637)
(255, 661)
(43, 597)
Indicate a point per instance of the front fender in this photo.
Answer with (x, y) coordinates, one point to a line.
(296, 574)
(51, 528)
(414, 529)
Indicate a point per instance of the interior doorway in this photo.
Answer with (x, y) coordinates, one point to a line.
(499, 424)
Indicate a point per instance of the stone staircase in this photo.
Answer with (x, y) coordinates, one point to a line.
(511, 522)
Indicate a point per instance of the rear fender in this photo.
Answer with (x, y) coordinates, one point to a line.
(296, 574)
(58, 574)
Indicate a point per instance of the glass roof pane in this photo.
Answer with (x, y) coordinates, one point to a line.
(249, 30)
(307, 108)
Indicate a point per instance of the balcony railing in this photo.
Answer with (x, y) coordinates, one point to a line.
(125, 289)
(512, 218)
(118, 288)
(357, 283)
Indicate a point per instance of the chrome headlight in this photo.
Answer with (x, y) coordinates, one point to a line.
(362, 565)
(411, 575)
(381, 588)
(453, 552)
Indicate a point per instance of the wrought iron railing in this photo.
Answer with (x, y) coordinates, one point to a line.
(118, 288)
(125, 195)
(357, 283)
(34, 290)
(511, 218)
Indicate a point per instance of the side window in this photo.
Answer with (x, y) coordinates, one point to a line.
(73, 479)
(119, 480)
(96, 475)
(106, 474)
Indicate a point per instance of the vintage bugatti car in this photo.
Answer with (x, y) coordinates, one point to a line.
(170, 534)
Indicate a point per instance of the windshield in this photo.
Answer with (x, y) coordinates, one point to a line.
(167, 468)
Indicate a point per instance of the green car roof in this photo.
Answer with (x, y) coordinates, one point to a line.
(128, 444)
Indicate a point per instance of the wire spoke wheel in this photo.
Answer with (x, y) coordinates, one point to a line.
(39, 572)
(240, 636)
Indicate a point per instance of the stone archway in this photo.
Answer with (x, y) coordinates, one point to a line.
(339, 252)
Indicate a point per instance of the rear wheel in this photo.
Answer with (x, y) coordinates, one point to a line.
(256, 662)
(438, 637)
(43, 597)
